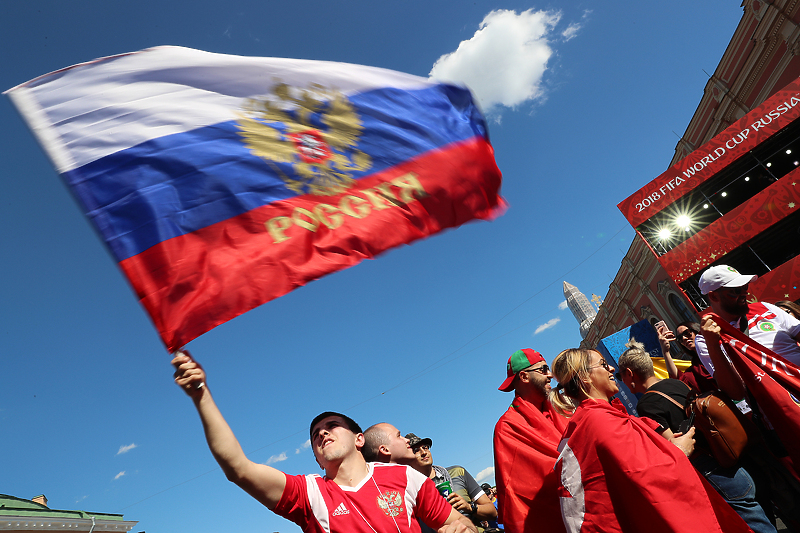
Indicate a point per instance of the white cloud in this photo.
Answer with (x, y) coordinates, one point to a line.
(547, 325)
(563, 305)
(573, 29)
(276, 458)
(127, 448)
(503, 63)
(119, 475)
(485, 474)
(306, 445)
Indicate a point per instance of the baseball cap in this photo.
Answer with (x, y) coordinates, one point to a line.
(415, 441)
(720, 276)
(519, 360)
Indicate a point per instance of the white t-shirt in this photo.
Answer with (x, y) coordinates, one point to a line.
(769, 326)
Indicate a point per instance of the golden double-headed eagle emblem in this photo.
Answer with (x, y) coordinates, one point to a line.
(314, 129)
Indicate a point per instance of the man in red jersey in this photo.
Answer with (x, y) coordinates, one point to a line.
(353, 496)
(526, 448)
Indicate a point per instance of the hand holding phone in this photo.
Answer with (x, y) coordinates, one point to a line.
(686, 424)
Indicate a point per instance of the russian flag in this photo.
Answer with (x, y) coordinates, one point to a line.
(221, 182)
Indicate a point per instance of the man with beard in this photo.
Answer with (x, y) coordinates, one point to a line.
(765, 323)
(526, 442)
(776, 330)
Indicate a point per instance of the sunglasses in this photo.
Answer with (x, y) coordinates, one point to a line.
(544, 369)
(604, 364)
(685, 334)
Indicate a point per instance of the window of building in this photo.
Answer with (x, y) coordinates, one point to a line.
(680, 309)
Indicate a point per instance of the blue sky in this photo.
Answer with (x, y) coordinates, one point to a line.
(585, 101)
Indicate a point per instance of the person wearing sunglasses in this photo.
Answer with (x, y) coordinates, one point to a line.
(615, 472)
(526, 447)
(773, 328)
(763, 322)
(696, 376)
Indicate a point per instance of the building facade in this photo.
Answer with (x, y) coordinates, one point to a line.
(730, 209)
(18, 515)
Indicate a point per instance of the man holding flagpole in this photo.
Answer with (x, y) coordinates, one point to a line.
(353, 496)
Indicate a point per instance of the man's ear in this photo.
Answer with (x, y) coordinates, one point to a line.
(383, 450)
(713, 297)
(628, 373)
(360, 441)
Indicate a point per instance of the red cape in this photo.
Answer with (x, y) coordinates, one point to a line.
(772, 380)
(525, 451)
(618, 475)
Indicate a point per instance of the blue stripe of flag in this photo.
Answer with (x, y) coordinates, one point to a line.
(174, 185)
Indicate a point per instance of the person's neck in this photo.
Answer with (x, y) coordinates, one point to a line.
(427, 471)
(649, 382)
(595, 395)
(350, 472)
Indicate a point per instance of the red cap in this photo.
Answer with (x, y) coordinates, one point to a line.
(519, 360)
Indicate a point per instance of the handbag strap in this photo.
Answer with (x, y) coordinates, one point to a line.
(670, 398)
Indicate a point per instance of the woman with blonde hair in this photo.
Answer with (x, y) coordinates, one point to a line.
(617, 474)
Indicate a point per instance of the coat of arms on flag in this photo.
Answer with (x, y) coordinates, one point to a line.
(315, 130)
(221, 182)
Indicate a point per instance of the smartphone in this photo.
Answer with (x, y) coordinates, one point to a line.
(687, 424)
(660, 325)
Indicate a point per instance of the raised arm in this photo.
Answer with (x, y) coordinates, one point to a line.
(262, 482)
(726, 376)
(665, 337)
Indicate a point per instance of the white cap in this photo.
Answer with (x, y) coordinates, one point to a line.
(723, 276)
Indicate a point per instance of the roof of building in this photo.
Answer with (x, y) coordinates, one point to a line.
(12, 506)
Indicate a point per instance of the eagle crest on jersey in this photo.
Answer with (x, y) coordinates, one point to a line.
(391, 503)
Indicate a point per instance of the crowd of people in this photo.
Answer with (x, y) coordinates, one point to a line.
(570, 458)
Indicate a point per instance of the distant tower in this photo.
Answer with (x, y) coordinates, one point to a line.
(581, 308)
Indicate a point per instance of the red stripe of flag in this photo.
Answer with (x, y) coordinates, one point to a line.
(192, 283)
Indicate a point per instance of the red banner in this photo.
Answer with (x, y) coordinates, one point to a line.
(702, 164)
(742, 223)
(782, 283)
